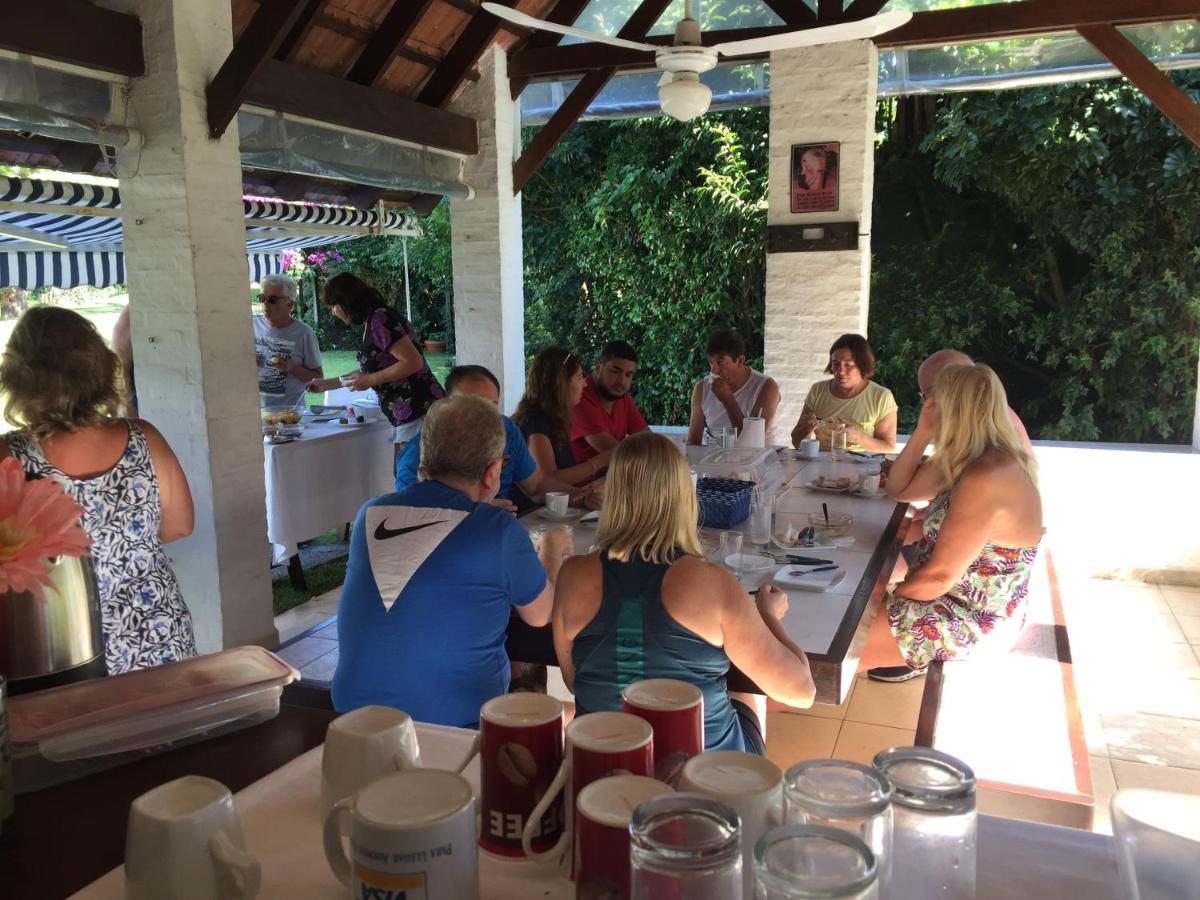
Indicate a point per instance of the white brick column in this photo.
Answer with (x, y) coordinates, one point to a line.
(818, 94)
(489, 282)
(185, 256)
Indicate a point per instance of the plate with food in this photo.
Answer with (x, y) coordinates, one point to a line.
(834, 484)
(810, 538)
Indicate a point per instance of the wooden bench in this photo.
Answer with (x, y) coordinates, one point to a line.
(1014, 718)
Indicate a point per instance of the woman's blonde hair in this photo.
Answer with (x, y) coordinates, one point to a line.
(973, 421)
(649, 504)
(58, 373)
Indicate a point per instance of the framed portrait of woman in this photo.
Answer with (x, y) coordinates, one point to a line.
(815, 177)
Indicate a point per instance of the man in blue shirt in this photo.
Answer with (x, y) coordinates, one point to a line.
(519, 468)
(434, 571)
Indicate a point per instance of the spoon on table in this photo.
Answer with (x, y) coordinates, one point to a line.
(825, 509)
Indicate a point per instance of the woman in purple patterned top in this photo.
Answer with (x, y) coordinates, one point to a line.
(388, 359)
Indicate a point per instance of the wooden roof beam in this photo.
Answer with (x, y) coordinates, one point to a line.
(392, 34)
(75, 32)
(461, 57)
(300, 31)
(305, 92)
(829, 11)
(259, 41)
(1160, 90)
(793, 12)
(565, 12)
(585, 92)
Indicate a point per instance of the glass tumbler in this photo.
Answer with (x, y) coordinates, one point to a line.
(731, 548)
(685, 846)
(837, 441)
(800, 861)
(1158, 844)
(933, 808)
(843, 795)
(761, 515)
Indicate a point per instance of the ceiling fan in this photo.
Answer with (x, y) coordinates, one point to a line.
(680, 92)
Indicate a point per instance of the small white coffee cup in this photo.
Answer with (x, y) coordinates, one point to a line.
(409, 832)
(184, 841)
(751, 784)
(557, 503)
(348, 378)
(868, 483)
(810, 448)
(363, 745)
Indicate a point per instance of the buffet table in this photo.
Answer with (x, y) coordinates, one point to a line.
(318, 481)
(280, 818)
(831, 627)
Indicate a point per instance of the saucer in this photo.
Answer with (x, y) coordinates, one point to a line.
(750, 562)
(877, 495)
(828, 488)
(565, 517)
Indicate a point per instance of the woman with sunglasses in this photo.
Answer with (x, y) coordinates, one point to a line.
(553, 389)
(388, 359)
(286, 348)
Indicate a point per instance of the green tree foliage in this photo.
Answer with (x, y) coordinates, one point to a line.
(649, 231)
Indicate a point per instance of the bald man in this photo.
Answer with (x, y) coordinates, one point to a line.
(928, 372)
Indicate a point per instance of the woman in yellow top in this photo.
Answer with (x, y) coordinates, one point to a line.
(867, 409)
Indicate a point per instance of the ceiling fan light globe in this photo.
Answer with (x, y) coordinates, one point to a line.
(684, 98)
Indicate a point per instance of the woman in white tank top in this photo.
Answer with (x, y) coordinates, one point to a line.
(731, 391)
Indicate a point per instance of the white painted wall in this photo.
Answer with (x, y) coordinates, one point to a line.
(489, 281)
(185, 257)
(818, 94)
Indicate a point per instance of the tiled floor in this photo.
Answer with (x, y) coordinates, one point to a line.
(1136, 649)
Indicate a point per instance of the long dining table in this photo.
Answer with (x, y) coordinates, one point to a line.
(830, 626)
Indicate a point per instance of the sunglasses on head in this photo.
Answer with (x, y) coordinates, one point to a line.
(273, 299)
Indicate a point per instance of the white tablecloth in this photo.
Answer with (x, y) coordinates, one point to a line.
(319, 481)
(279, 816)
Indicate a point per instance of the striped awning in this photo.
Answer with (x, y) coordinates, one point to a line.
(62, 234)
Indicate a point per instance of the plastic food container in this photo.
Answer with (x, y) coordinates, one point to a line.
(761, 466)
(71, 731)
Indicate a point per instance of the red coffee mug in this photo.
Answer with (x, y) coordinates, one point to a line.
(521, 751)
(598, 745)
(602, 816)
(675, 710)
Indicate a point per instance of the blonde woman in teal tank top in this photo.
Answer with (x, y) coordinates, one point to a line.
(645, 604)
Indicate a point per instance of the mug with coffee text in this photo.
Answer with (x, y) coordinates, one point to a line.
(362, 745)
(521, 747)
(412, 835)
(184, 841)
(597, 745)
(602, 816)
(675, 710)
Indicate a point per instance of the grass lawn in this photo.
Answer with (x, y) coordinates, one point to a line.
(320, 578)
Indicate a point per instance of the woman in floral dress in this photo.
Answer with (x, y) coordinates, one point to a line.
(63, 390)
(970, 572)
(388, 359)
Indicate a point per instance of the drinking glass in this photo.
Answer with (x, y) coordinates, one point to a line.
(685, 845)
(933, 807)
(837, 441)
(1158, 844)
(843, 795)
(731, 546)
(799, 861)
(761, 514)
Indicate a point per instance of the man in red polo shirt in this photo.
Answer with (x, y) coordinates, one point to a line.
(606, 413)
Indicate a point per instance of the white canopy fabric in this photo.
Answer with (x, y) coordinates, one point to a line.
(63, 234)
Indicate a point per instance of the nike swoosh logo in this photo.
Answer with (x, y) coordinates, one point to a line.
(382, 532)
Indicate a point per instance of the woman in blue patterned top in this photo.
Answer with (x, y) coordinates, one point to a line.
(647, 605)
(63, 386)
(388, 359)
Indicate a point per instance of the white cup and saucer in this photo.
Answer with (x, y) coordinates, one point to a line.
(558, 507)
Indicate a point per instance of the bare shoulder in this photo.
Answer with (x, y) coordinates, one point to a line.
(158, 444)
(699, 578)
(993, 473)
(581, 570)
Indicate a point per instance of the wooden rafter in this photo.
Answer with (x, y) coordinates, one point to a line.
(75, 32)
(314, 95)
(793, 12)
(1160, 90)
(305, 24)
(829, 11)
(79, 157)
(565, 12)
(291, 186)
(257, 44)
(864, 9)
(392, 34)
(471, 8)
(365, 196)
(424, 203)
(585, 92)
(462, 56)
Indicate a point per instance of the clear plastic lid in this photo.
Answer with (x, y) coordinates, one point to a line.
(743, 463)
(202, 691)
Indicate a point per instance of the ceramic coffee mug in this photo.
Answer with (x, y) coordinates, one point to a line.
(557, 503)
(752, 785)
(412, 834)
(363, 745)
(675, 710)
(521, 741)
(598, 744)
(184, 841)
(868, 483)
(810, 448)
(602, 816)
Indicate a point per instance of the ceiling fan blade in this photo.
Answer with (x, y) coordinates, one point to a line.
(519, 18)
(827, 34)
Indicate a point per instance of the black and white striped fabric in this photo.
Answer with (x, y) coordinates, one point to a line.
(96, 255)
